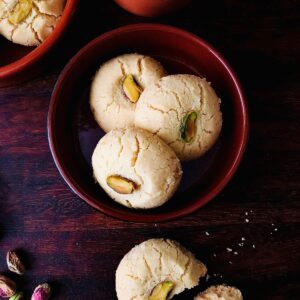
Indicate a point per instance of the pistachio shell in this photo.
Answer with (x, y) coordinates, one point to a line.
(14, 263)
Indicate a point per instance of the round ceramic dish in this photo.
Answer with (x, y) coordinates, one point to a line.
(73, 133)
(152, 8)
(19, 63)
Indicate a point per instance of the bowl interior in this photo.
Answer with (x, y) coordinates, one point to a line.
(11, 52)
(74, 134)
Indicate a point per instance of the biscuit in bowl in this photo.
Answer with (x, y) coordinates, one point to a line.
(136, 168)
(184, 111)
(117, 86)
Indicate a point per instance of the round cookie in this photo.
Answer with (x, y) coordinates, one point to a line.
(136, 168)
(154, 262)
(29, 22)
(117, 86)
(220, 292)
(184, 111)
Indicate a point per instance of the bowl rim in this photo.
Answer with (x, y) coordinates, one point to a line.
(166, 216)
(41, 50)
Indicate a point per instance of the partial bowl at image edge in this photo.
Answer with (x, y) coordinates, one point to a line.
(214, 191)
(29, 65)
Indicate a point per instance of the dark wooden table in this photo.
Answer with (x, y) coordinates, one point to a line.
(66, 242)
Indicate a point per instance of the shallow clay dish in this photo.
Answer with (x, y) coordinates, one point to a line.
(152, 8)
(73, 133)
(19, 63)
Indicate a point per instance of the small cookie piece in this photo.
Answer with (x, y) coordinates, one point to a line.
(136, 168)
(117, 87)
(184, 111)
(220, 292)
(29, 22)
(154, 262)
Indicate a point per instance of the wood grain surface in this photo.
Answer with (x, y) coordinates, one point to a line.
(67, 243)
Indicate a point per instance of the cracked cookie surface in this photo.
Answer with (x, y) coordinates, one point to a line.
(163, 107)
(109, 104)
(139, 157)
(29, 22)
(155, 261)
(220, 292)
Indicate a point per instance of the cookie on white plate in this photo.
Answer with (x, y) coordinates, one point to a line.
(157, 269)
(184, 111)
(29, 22)
(220, 292)
(136, 168)
(117, 86)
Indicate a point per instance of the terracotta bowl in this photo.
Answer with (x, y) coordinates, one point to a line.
(20, 63)
(73, 133)
(152, 8)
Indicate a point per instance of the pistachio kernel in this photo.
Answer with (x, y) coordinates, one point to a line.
(162, 290)
(7, 287)
(131, 88)
(17, 296)
(41, 292)
(20, 12)
(188, 127)
(120, 184)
